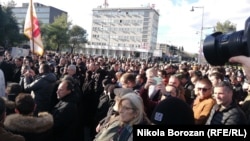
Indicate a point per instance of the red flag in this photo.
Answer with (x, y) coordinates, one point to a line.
(32, 30)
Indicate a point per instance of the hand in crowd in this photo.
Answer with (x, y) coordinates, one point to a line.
(97, 128)
(161, 87)
(29, 73)
(150, 81)
(113, 80)
(244, 61)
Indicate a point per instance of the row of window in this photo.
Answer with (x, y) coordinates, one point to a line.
(135, 38)
(116, 21)
(24, 10)
(118, 45)
(115, 12)
(117, 29)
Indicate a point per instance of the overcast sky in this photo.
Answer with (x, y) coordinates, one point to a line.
(177, 24)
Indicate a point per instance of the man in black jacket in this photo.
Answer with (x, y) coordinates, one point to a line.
(4, 134)
(65, 113)
(226, 111)
(41, 87)
(5, 67)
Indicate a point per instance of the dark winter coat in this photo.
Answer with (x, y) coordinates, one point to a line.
(30, 127)
(42, 88)
(232, 115)
(65, 114)
(8, 136)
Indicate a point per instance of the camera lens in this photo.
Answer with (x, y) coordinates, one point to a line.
(219, 47)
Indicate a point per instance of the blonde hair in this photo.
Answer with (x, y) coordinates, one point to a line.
(136, 103)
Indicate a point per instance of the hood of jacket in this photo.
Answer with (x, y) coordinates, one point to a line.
(29, 124)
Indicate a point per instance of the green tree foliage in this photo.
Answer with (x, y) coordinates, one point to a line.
(11, 3)
(9, 30)
(56, 34)
(225, 27)
(78, 36)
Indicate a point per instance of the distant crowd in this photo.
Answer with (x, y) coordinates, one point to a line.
(71, 97)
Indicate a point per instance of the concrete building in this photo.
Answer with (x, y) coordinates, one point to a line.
(172, 53)
(45, 14)
(123, 32)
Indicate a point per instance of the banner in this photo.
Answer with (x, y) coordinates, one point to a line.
(157, 53)
(32, 30)
(18, 52)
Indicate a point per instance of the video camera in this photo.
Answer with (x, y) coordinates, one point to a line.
(219, 47)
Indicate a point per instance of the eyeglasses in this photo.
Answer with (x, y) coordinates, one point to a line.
(203, 89)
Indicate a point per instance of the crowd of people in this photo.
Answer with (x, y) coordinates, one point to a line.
(76, 97)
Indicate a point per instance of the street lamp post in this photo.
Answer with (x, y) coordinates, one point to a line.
(201, 41)
(109, 35)
(210, 28)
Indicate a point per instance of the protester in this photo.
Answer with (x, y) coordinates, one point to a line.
(149, 104)
(131, 112)
(106, 101)
(17, 69)
(226, 111)
(65, 113)
(24, 123)
(4, 134)
(204, 102)
(173, 111)
(153, 93)
(12, 91)
(176, 81)
(6, 67)
(42, 87)
(108, 126)
(245, 105)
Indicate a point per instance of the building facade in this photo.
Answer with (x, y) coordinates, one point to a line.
(45, 14)
(172, 53)
(123, 32)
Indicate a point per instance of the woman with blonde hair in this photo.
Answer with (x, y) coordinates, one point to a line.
(131, 112)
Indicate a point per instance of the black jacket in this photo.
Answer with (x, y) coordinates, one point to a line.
(232, 115)
(65, 115)
(42, 88)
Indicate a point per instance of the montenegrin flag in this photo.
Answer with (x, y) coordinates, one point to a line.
(32, 30)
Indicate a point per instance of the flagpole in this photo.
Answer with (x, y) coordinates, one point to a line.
(32, 31)
(31, 19)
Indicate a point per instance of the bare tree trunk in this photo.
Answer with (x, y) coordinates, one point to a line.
(57, 49)
(72, 49)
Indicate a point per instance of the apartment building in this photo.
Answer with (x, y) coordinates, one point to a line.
(123, 32)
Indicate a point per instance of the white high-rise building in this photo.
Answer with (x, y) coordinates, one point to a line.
(123, 32)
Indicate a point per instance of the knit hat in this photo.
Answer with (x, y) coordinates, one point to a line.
(172, 111)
